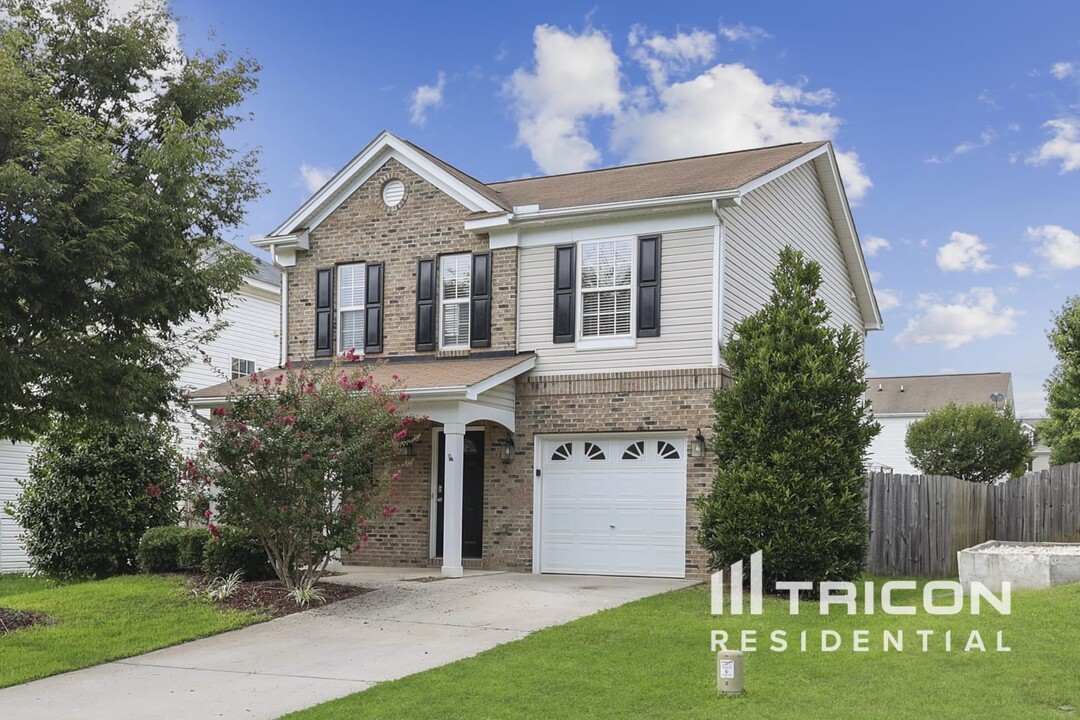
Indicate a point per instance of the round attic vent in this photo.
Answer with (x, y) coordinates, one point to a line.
(393, 193)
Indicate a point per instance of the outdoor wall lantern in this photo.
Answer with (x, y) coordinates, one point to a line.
(698, 445)
(506, 448)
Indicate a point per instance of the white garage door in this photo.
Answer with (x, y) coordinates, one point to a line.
(613, 504)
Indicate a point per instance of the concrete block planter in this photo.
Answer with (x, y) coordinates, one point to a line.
(1027, 565)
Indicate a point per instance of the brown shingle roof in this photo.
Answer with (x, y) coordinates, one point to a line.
(467, 179)
(923, 393)
(668, 178)
(426, 374)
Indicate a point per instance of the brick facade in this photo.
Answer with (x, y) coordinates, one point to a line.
(427, 223)
(599, 403)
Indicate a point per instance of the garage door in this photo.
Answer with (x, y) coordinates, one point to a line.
(613, 504)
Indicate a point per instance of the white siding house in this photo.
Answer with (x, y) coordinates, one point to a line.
(897, 402)
(252, 333)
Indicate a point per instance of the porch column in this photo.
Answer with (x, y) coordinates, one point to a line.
(452, 498)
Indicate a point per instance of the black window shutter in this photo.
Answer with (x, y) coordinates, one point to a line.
(648, 307)
(565, 281)
(324, 312)
(480, 310)
(373, 308)
(425, 305)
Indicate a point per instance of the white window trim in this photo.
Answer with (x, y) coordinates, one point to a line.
(232, 368)
(339, 309)
(606, 342)
(467, 300)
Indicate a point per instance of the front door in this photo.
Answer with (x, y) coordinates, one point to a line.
(472, 501)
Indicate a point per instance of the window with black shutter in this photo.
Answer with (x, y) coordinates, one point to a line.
(425, 305)
(648, 290)
(373, 309)
(565, 302)
(324, 312)
(480, 312)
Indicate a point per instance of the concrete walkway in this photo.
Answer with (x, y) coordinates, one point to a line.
(404, 626)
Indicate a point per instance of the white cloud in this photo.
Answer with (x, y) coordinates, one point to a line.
(1061, 247)
(964, 251)
(575, 77)
(664, 56)
(743, 33)
(874, 244)
(1022, 270)
(315, 177)
(730, 107)
(426, 97)
(974, 315)
(1062, 70)
(1063, 147)
(985, 138)
(887, 299)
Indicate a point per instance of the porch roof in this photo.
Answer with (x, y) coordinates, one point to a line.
(456, 378)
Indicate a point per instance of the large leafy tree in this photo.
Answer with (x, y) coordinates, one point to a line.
(116, 183)
(976, 443)
(790, 438)
(1062, 430)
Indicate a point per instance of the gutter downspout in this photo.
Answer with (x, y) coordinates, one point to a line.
(719, 245)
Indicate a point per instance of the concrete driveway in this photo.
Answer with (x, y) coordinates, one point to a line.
(404, 626)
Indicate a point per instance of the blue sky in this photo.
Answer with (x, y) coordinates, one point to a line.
(958, 126)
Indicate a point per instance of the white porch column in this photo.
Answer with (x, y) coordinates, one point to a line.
(452, 498)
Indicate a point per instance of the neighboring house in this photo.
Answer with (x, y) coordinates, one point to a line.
(899, 401)
(563, 334)
(251, 339)
(1040, 452)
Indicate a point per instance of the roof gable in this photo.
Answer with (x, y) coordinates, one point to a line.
(466, 190)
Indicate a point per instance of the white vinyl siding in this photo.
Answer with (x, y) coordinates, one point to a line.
(455, 286)
(889, 448)
(606, 278)
(686, 293)
(14, 459)
(350, 307)
(790, 210)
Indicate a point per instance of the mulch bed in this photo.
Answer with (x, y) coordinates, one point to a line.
(14, 619)
(271, 597)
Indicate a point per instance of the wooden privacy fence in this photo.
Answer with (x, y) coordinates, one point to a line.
(919, 522)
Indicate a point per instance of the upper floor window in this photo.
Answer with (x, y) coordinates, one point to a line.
(607, 277)
(350, 307)
(242, 368)
(455, 287)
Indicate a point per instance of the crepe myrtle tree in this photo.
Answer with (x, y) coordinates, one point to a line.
(306, 459)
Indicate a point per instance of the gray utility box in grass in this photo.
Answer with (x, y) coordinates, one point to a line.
(1026, 565)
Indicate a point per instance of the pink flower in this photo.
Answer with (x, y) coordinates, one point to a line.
(389, 510)
(363, 538)
(289, 420)
(406, 422)
(401, 434)
(208, 513)
(403, 397)
(359, 384)
(153, 491)
(390, 408)
(305, 456)
(395, 377)
(256, 444)
(279, 379)
(202, 445)
(213, 530)
(218, 412)
(396, 476)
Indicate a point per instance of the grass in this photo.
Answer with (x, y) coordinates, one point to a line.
(652, 659)
(103, 620)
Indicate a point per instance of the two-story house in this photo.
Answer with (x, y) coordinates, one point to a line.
(563, 334)
(249, 340)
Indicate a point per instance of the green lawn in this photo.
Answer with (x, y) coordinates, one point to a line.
(651, 659)
(102, 620)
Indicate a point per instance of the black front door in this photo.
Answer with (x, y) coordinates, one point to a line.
(472, 501)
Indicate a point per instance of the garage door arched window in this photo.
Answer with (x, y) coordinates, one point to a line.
(666, 450)
(563, 452)
(594, 452)
(634, 451)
